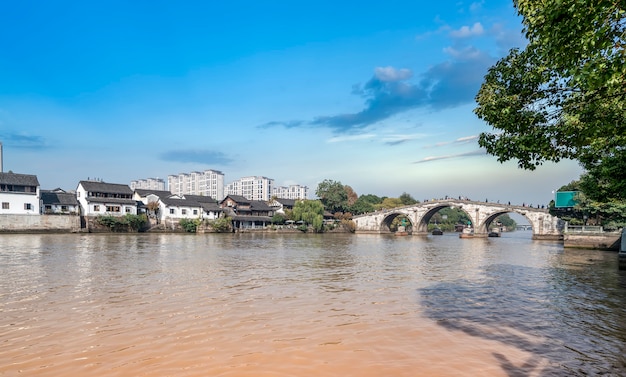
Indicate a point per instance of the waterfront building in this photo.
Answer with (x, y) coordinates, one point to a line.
(148, 184)
(251, 188)
(246, 213)
(279, 205)
(19, 194)
(291, 192)
(100, 198)
(206, 183)
(59, 201)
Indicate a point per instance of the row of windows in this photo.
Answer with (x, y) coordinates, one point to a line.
(27, 206)
(96, 208)
(182, 211)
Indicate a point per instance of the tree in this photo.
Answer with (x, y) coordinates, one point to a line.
(351, 195)
(407, 199)
(311, 212)
(563, 96)
(332, 195)
(388, 203)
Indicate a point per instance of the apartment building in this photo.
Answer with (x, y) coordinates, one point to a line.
(252, 188)
(291, 192)
(148, 184)
(205, 183)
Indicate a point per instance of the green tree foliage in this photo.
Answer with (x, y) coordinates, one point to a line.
(365, 204)
(447, 218)
(389, 203)
(190, 225)
(128, 222)
(311, 212)
(611, 213)
(332, 195)
(563, 96)
(407, 199)
(222, 224)
(278, 219)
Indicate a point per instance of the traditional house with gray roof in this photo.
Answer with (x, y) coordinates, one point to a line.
(59, 201)
(246, 213)
(100, 198)
(19, 194)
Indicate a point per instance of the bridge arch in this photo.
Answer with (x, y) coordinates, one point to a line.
(385, 225)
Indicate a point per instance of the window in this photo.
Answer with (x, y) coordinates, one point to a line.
(5, 205)
(184, 211)
(96, 208)
(28, 206)
(48, 207)
(195, 211)
(63, 208)
(127, 209)
(172, 211)
(113, 208)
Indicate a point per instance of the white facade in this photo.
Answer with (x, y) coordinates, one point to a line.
(206, 183)
(291, 192)
(99, 198)
(252, 188)
(19, 194)
(148, 184)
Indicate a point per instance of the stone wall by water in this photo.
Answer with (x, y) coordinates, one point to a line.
(39, 223)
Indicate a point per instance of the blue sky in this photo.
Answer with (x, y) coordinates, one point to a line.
(377, 95)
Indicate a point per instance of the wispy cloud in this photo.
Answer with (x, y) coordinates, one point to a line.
(468, 31)
(479, 152)
(400, 139)
(461, 140)
(389, 92)
(25, 141)
(197, 156)
(341, 139)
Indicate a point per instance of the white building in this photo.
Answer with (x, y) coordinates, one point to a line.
(291, 192)
(148, 184)
(252, 188)
(19, 194)
(100, 198)
(207, 183)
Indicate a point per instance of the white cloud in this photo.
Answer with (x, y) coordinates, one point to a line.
(392, 74)
(466, 31)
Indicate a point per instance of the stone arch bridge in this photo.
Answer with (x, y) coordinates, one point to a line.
(544, 225)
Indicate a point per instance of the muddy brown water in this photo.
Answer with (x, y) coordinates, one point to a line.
(307, 305)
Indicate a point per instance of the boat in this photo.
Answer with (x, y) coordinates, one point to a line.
(494, 233)
(437, 232)
(467, 233)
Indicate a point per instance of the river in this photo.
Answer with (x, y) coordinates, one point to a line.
(307, 305)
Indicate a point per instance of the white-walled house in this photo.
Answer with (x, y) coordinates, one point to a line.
(59, 201)
(19, 194)
(100, 198)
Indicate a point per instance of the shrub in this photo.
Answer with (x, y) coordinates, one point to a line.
(190, 225)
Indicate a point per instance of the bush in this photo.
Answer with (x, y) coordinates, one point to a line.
(222, 225)
(190, 225)
(126, 223)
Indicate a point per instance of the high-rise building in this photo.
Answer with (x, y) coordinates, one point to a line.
(252, 188)
(291, 192)
(206, 183)
(148, 184)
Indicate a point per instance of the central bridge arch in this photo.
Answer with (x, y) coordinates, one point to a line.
(481, 215)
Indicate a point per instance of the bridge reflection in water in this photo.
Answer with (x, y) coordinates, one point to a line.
(481, 214)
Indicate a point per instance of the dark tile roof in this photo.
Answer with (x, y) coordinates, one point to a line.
(159, 193)
(58, 198)
(238, 199)
(113, 188)
(174, 202)
(252, 218)
(211, 207)
(256, 205)
(200, 198)
(286, 202)
(11, 178)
